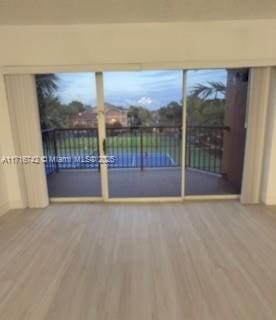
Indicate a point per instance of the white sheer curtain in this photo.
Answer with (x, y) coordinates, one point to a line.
(24, 115)
(256, 128)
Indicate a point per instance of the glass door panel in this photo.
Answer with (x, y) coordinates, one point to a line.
(215, 131)
(143, 117)
(69, 128)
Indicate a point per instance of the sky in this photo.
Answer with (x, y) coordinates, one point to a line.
(150, 89)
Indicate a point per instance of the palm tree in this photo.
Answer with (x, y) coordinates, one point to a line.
(210, 91)
(46, 86)
(207, 104)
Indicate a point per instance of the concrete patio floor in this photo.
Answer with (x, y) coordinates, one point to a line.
(157, 182)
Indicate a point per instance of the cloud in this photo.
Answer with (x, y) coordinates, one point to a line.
(145, 101)
(151, 89)
(77, 86)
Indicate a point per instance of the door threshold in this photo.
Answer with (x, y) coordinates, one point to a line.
(213, 197)
(75, 199)
(143, 200)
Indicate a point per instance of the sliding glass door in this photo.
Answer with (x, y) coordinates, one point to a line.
(144, 134)
(143, 118)
(215, 131)
(69, 129)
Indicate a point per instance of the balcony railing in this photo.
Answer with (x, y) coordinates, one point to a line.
(135, 147)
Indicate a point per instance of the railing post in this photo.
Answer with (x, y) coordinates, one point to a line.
(141, 145)
(55, 150)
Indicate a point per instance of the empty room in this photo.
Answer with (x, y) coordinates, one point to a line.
(137, 160)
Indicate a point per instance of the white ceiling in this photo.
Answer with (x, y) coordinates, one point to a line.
(41, 12)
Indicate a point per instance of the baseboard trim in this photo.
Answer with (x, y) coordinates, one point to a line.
(4, 207)
(269, 201)
(17, 204)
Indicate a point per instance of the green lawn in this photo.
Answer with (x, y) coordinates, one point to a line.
(196, 157)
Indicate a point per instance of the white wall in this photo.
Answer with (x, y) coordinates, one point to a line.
(225, 43)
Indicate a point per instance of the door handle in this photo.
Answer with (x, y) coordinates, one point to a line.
(104, 146)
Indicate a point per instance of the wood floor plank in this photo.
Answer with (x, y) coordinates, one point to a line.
(198, 260)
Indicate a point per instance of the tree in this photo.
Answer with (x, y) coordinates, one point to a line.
(46, 86)
(75, 107)
(211, 91)
(139, 116)
(53, 113)
(206, 104)
(171, 114)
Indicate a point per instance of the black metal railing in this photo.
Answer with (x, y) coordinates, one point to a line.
(135, 147)
(49, 150)
(141, 147)
(204, 148)
(67, 148)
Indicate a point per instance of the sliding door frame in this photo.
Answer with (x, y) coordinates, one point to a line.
(183, 146)
(102, 129)
(102, 137)
(101, 134)
(104, 169)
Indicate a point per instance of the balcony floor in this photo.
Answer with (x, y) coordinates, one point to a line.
(156, 182)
